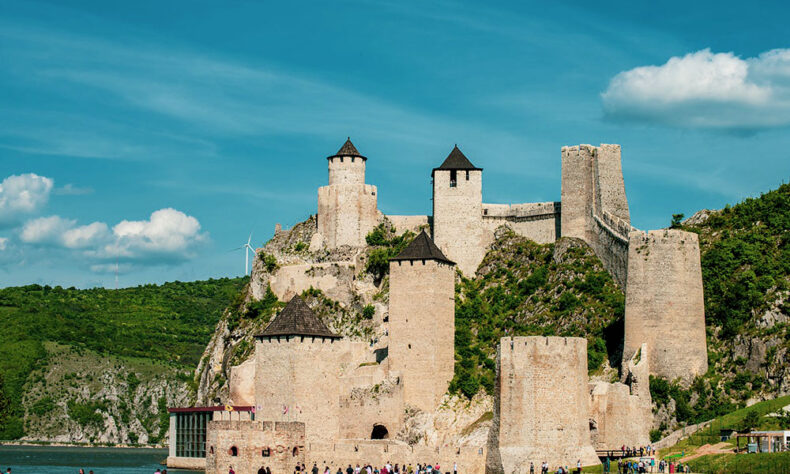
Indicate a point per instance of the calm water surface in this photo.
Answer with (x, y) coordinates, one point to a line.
(60, 460)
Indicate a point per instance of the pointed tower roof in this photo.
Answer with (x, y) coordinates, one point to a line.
(422, 248)
(456, 160)
(297, 319)
(348, 149)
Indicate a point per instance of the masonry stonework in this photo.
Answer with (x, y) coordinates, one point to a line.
(664, 304)
(541, 410)
(248, 446)
(422, 312)
(457, 210)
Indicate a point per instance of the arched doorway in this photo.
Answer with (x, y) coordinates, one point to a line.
(379, 432)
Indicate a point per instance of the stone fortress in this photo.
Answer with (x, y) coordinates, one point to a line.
(310, 395)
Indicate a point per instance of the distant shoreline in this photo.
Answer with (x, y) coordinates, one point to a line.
(61, 444)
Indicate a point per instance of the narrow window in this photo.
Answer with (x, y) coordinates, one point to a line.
(453, 178)
(295, 451)
(467, 175)
(266, 452)
(234, 451)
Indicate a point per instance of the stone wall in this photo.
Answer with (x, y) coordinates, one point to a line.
(594, 205)
(333, 278)
(346, 214)
(242, 383)
(538, 221)
(302, 375)
(621, 413)
(284, 441)
(664, 304)
(541, 407)
(412, 223)
(457, 210)
(422, 329)
(346, 170)
(379, 404)
(470, 460)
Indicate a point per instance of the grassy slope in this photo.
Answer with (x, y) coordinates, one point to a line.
(170, 323)
(522, 289)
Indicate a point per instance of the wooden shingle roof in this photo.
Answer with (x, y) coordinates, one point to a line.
(297, 319)
(422, 248)
(348, 149)
(456, 160)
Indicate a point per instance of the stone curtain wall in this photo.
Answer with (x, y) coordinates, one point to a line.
(412, 223)
(622, 412)
(538, 221)
(541, 410)
(594, 205)
(285, 442)
(457, 211)
(664, 305)
(422, 329)
(470, 459)
(301, 373)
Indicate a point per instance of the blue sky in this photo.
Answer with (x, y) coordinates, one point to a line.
(160, 134)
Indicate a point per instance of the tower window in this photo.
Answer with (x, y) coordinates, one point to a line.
(467, 175)
(265, 452)
(233, 451)
(453, 178)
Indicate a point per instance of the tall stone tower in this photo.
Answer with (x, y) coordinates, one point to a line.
(297, 358)
(347, 207)
(422, 322)
(457, 210)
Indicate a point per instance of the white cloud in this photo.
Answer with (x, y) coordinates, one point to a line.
(23, 194)
(168, 235)
(705, 90)
(46, 230)
(71, 190)
(3, 243)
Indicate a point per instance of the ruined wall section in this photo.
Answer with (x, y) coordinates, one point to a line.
(379, 404)
(285, 443)
(537, 221)
(422, 329)
(664, 305)
(457, 210)
(621, 413)
(301, 374)
(541, 407)
(411, 223)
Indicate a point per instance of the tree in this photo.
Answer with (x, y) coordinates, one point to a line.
(677, 221)
(751, 420)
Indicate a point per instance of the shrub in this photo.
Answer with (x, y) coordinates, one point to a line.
(368, 311)
(42, 406)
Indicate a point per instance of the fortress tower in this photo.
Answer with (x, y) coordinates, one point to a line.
(297, 360)
(347, 207)
(541, 408)
(457, 211)
(422, 322)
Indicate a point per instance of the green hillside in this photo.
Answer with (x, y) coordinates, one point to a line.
(169, 323)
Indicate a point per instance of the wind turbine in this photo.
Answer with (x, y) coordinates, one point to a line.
(247, 249)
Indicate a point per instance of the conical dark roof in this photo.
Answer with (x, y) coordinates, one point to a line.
(348, 149)
(456, 160)
(297, 319)
(422, 248)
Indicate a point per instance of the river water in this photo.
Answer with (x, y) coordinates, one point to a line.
(67, 460)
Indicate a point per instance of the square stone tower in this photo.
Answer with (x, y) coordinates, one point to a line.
(457, 211)
(297, 362)
(422, 322)
(347, 207)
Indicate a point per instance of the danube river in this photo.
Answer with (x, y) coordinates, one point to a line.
(62, 460)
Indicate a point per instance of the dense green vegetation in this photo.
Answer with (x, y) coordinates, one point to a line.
(169, 323)
(742, 463)
(523, 289)
(745, 259)
(385, 245)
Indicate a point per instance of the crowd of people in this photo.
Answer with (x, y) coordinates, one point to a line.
(387, 468)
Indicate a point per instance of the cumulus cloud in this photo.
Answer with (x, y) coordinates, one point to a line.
(705, 90)
(168, 235)
(3, 243)
(23, 194)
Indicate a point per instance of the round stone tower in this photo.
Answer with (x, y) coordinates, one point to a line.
(347, 207)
